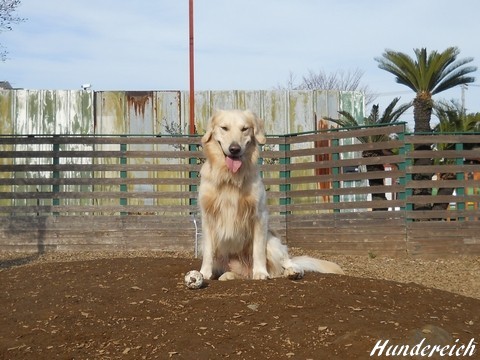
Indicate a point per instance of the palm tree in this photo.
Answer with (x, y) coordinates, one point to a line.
(426, 75)
(390, 116)
(453, 118)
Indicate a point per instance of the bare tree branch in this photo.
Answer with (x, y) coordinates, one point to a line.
(7, 20)
(339, 80)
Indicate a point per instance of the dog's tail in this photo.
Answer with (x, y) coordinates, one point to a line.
(308, 263)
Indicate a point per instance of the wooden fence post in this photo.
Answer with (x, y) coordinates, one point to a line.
(285, 174)
(335, 173)
(408, 179)
(56, 175)
(402, 166)
(123, 175)
(460, 175)
(192, 175)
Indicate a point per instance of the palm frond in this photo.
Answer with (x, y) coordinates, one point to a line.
(347, 121)
(390, 115)
(455, 79)
(453, 118)
(431, 72)
(401, 66)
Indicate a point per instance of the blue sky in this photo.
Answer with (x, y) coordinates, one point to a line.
(239, 44)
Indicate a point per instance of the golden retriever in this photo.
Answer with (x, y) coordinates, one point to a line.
(236, 240)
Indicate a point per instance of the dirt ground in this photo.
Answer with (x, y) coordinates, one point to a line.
(135, 306)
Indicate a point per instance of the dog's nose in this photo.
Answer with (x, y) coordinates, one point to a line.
(234, 149)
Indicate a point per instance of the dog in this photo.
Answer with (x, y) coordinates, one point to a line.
(236, 241)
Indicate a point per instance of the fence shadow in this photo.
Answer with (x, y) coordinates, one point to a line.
(20, 261)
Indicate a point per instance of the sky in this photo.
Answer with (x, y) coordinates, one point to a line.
(239, 44)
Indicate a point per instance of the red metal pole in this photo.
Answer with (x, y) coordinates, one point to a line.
(192, 70)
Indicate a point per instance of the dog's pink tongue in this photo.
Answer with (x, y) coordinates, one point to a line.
(233, 164)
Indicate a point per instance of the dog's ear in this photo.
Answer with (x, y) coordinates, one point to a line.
(258, 127)
(208, 134)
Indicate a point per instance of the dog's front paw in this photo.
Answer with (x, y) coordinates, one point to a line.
(207, 274)
(260, 275)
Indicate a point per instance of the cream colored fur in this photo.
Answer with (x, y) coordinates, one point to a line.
(237, 242)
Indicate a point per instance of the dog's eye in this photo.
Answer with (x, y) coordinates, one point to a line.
(245, 129)
(224, 128)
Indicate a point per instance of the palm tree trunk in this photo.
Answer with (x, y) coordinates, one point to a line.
(376, 182)
(422, 177)
(444, 191)
(422, 112)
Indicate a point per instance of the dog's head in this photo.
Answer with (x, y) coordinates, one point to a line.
(237, 133)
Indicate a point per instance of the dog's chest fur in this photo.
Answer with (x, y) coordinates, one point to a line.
(231, 215)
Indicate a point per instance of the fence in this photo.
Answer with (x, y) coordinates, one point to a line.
(326, 191)
(56, 112)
